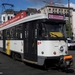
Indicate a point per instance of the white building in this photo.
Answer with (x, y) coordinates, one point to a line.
(7, 14)
(6, 17)
(56, 9)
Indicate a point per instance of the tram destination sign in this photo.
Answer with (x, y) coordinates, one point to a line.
(57, 17)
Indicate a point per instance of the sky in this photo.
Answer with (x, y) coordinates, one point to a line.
(24, 4)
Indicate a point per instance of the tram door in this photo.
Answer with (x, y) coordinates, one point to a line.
(30, 42)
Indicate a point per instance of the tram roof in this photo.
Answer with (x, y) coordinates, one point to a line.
(22, 20)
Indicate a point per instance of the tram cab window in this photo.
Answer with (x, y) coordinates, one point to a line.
(55, 30)
(42, 31)
(52, 30)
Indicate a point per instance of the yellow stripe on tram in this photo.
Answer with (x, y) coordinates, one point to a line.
(8, 47)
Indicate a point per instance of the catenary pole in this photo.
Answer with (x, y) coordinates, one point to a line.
(69, 18)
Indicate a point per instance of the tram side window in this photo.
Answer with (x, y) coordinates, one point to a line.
(12, 33)
(33, 33)
(1, 35)
(41, 31)
(26, 30)
(19, 32)
(36, 30)
(7, 33)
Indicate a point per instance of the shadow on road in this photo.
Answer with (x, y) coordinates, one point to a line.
(63, 70)
(35, 66)
(54, 68)
(70, 71)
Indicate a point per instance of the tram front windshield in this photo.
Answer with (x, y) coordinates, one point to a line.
(53, 30)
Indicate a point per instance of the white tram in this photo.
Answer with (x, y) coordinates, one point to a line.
(39, 39)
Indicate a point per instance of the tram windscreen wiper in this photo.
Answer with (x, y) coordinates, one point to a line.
(53, 35)
(56, 34)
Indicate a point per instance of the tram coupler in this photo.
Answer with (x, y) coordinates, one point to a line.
(66, 61)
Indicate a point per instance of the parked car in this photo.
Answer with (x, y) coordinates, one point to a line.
(71, 44)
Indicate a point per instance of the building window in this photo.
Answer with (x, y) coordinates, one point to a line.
(11, 17)
(44, 11)
(3, 19)
(8, 17)
(53, 10)
(59, 9)
(67, 11)
(49, 10)
(64, 10)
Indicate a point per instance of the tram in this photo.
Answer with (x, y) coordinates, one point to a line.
(39, 39)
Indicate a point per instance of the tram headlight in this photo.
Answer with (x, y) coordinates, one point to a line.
(61, 49)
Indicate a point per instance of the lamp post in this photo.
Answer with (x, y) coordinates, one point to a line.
(69, 17)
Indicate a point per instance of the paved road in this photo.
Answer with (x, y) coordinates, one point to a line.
(8, 66)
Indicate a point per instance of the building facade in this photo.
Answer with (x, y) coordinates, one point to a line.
(7, 14)
(56, 9)
(10, 13)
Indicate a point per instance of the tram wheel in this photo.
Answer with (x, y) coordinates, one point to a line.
(17, 56)
(13, 55)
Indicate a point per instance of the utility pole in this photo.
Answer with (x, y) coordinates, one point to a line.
(69, 18)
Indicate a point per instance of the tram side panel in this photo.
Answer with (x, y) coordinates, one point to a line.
(1, 45)
(50, 49)
(15, 46)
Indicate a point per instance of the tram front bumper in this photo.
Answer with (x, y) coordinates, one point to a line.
(66, 61)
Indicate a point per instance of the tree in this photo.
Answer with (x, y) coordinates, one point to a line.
(69, 30)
